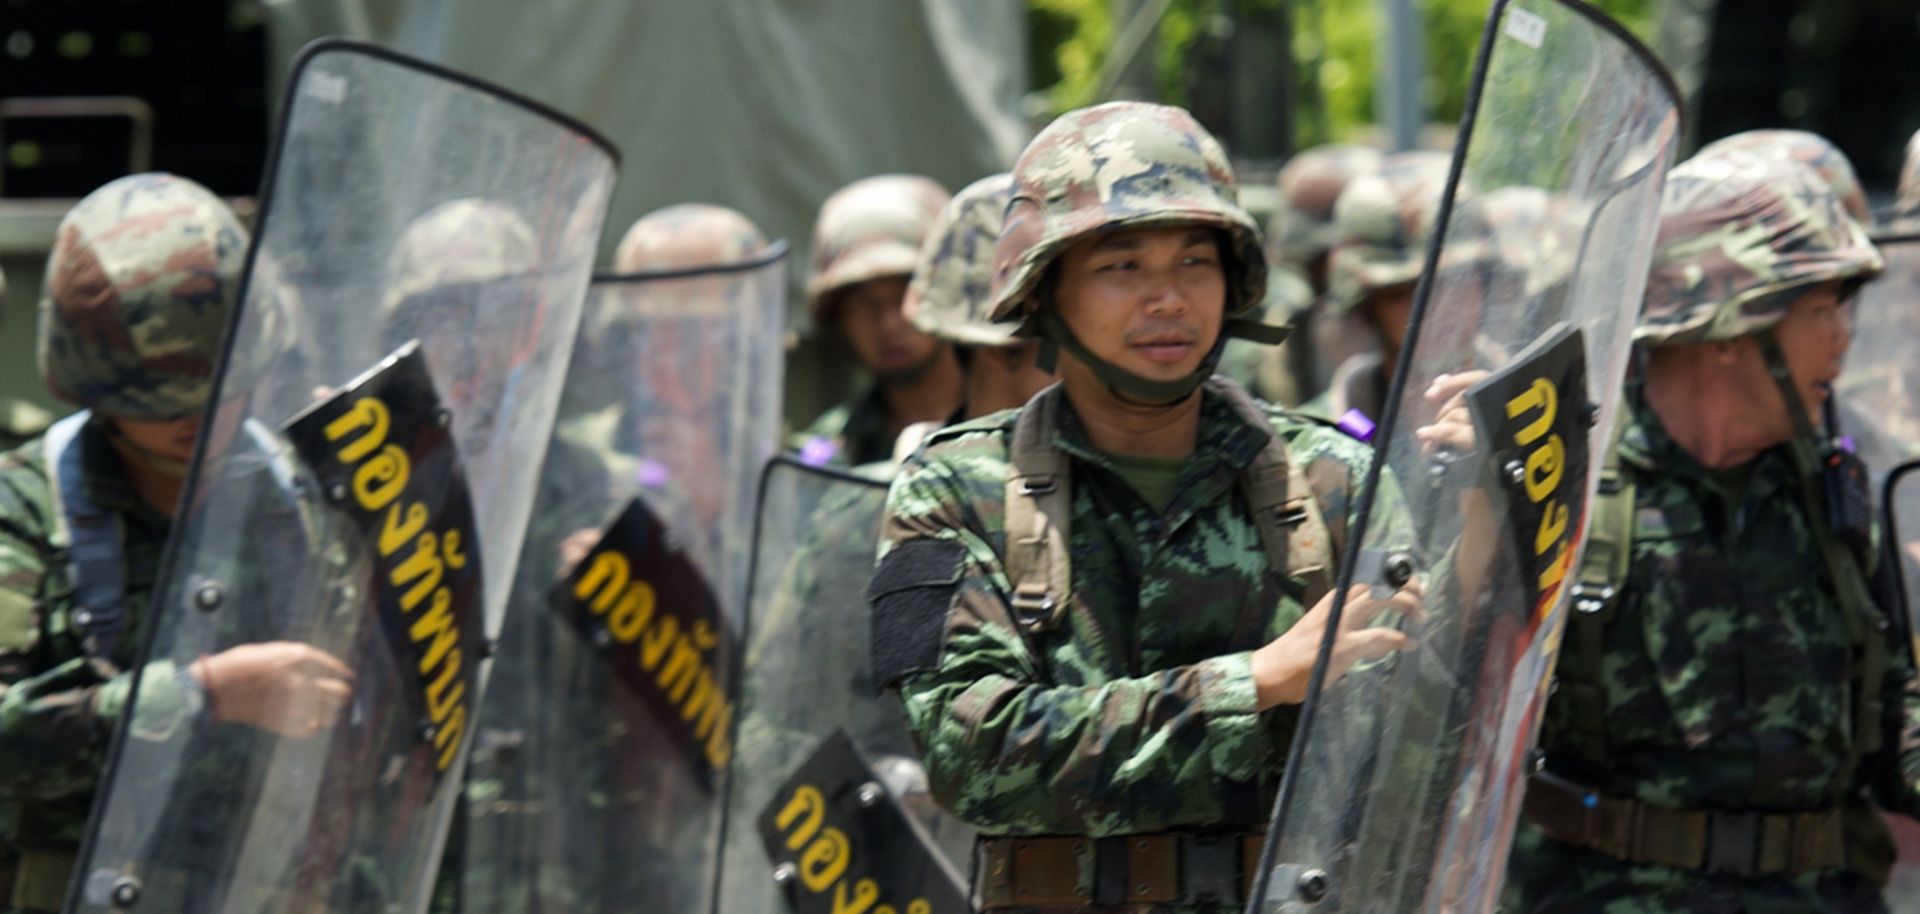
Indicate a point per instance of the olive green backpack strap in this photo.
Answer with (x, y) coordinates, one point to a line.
(1293, 530)
(1865, 619)
(1596, 592)
(1039, 514)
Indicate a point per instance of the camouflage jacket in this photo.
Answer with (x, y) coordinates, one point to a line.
(856, 429)
(1137, 713)
(1727, 686)
(1726, 592)
(57, 706)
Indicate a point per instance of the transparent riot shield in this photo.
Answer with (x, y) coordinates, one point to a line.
(1402, 788)
(592, 785)
(354, 514)
(827, 806)
(1902, 507)
(1877, 396)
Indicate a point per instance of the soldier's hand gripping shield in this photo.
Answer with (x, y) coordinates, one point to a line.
(608, 724)
(355, 510)
(1877, 396)
(827, 806)
(1405, 777)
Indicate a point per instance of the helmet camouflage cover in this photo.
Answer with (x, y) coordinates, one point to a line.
(1809, 149)
(949, 294)
(1116, 166)
(1740, 236)
(1384, 222)
(687, 236)
(460, 241)
(1310, 184)
(870, 229)
(140, 283)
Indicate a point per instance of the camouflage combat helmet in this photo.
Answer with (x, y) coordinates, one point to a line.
(869, 229)
(139, 286)
(1384, 222)
(1740, 237)
(1112, 166)
(460, 241)
(1809, 149)
(687, 236)
(1302, 228)
(948, 296)
(1906, 205)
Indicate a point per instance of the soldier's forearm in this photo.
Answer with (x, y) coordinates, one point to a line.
(52, 739)
(1140, 754)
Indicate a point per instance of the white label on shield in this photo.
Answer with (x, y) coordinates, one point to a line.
(1527, 28)
(324, 87)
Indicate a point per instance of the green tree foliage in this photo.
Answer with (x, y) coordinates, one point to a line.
(1334, 43)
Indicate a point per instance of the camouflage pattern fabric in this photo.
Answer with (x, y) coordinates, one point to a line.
(1702, 710)
(141, 279)
(1117, 166)
(1302, 229)
(1740, 237)
(869, 229)
(58, 707)
(687, 236)
(848, 434)
(21, 422)
(1384, 222)
(953, 277)
(1137, 713)
(1809, 149)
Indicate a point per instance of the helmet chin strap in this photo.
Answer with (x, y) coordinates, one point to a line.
(1135, 389)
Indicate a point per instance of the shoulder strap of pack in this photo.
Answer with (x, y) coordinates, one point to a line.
(1039, 515)
(1596, 591)
(1293, 530)
(94, 540)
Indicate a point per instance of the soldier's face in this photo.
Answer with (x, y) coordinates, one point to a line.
(1814, 337)
(885, 342)
(172, 439)
(1150, 301)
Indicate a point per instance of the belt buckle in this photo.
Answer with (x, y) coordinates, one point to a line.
(1733, 843)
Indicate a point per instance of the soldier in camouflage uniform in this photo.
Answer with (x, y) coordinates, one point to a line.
(1299, 238)
(139, 285)
(1384, 222)
(1729, 705)
(865, 245)
(1078, 602)
(20, 421)
(948, 299)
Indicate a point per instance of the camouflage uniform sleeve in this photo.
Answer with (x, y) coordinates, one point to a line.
(52, 736)
(1010, 751)
(1900, 791)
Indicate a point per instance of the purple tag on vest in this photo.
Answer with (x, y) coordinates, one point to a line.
(1356, 424)
(818, 451)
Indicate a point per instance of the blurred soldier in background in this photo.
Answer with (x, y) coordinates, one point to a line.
(1383, 223)
(865, 244)
(1299, 237)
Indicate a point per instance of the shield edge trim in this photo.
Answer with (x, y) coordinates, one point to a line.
(773, 253)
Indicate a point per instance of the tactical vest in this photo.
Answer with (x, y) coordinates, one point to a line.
(1039, 511)
(1602, 582)
(92, 540)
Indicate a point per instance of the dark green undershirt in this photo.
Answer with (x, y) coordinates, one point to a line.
(1152, 478)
